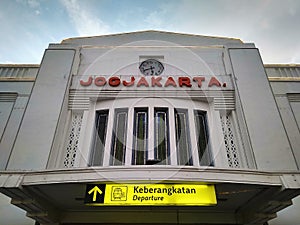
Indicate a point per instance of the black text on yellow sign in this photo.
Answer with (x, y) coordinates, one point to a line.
(150, 194)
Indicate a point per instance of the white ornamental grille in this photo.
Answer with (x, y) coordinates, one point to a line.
(231, 149)
(73, 140)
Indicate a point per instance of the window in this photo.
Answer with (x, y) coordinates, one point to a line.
(161, 136)
(99, 139)
(151, 133)
(140, 136)
(202, 138)
(184, 156)
(118, 146)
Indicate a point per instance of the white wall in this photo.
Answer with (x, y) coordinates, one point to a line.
(40, 121)
(12, 215)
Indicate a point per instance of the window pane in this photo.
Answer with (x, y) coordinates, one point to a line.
(119, 137)
(140, 136)
(161, 132)
(99, 139)
(202, 139)
(184, 156)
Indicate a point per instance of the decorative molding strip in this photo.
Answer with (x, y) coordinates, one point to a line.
(72, 144)
(18, 71)
(20, 65)
(284, 79)
(229, 140)
(293, 97)
(283, 70)
(226, 102)
(80, 99)
(8, 97)
(18, 79)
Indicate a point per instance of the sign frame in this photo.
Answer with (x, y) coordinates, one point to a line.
(150, 194)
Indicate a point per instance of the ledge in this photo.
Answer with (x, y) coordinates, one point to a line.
(146, 174)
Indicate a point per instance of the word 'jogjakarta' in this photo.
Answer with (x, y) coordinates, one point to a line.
(151, 81)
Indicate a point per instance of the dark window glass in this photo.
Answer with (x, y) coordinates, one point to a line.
(183, 143)
(140, 134)
(161, 139)
(119, 137)
(202, 139)
(99, 138)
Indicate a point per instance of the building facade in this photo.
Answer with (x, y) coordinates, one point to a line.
(150, 128)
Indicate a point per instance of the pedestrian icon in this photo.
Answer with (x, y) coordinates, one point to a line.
(119, 193)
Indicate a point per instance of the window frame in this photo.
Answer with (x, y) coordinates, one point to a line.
(166, 160)
(92, 160)
(188, 153)
(114, 140)
(153, 104)
(207, 151)
(135, 151)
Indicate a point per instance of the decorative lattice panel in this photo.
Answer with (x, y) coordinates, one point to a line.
(229, 140)
(73, 139)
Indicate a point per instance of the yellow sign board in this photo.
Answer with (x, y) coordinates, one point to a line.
(150, 194)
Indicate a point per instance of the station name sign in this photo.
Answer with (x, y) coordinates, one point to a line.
(150, 194)
(152, 81)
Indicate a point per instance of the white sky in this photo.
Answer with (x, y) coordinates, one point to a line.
(28, 26)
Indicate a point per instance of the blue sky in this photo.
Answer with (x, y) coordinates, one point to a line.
(28, 26)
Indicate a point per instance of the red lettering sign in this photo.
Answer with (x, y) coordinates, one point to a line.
(128, 84)
(114, 81)
(100, 81)
(86, 83)
(155, 81)
(170, 81)
(142, 81)
(214, 81)
(199, 80)
(184, 81)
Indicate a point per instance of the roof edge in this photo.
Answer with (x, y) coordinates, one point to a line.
(20, 65)
(281, 65)
(158, 31)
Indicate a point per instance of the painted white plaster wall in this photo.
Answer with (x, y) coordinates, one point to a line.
(267, 134)
(35, 137)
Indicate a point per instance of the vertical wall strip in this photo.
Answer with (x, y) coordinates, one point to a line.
(229, 140)
(73, 139)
